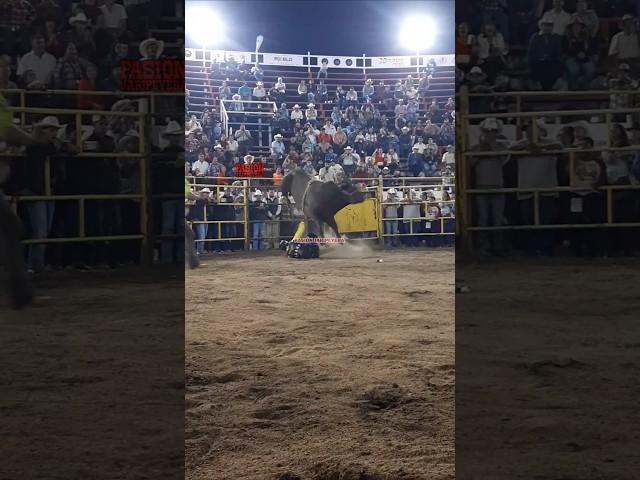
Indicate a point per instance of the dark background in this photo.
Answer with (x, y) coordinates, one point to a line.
(330, 27)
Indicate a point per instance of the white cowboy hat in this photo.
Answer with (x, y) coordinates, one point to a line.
(491, 123)
(391, 191)
(296, 106)
(248, 155)
(258, 193)
(120, 105)
(348, 148)
(150, 41)
(205, 190)
(477, 70)
(173, 128)
(311, 105)
(218, 146)
(277, 135)
(78, 18)
(50, 121)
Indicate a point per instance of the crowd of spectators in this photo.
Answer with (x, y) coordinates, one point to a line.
(332, 133)
(347, 131)
(48, 45)
(578, 45)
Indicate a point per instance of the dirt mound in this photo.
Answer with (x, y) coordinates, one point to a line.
(383, 398)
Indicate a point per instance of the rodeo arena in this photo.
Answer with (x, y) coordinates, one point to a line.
(319, 307)
(548, 175)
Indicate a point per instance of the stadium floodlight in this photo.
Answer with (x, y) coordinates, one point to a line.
(203, 25)
(418, 33)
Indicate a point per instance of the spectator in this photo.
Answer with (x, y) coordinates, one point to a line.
(625, 45)
(113, 18)
(69, 70)
(558, 17)
(351, 97)
(324, 69)
(224, 93)
(368, 90)
(321, 92)
(302, 90)
(588, 17)
(243, 137)
(582, 55)
(277, 150)
(274, 211)
(308, 167)
(259, 93)
(39, 61)
(348, 160)
(449, 158)
(296, 113)
(244, 91)
(415, 162)
(492, 51)
(311, 114)
(545, 55)
(89, 83)
(197, 216)
(81, 36)
(257, 72)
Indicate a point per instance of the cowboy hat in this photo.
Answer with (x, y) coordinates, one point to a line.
(277, 135)
(348, 148)
(205, 190)
(173, 128)
(405, 129)
(628, 17)
(148, 42)
(476, 70)
(491, 123)
(80, 17)
(121, 105)
(218, 146)
(311, 105)
(296, 106)
(257, 193)
(247, 156)
(50, 121)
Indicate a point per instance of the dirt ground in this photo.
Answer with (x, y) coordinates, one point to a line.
(92, 378)
(321, 369)
(547, 370)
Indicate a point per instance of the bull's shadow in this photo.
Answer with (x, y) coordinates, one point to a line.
(319, 201)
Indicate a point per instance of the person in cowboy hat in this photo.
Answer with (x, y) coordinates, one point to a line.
(151, 49)
(546, 53)
(311, 114)
(296, 113)
(278, 150)
(258, 218)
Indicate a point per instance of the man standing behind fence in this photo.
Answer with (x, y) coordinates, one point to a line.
(274, 211)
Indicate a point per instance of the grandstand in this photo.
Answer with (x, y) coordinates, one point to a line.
(204, 86)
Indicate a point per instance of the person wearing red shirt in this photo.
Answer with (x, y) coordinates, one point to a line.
(88, 84)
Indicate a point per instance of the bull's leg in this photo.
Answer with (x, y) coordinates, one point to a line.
(332, 223)
(189, 247)
(20, 289)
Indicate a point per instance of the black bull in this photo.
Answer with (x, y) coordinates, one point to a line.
(12, 255)
(319, 201)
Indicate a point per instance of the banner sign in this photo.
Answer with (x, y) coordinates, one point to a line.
(297, 60)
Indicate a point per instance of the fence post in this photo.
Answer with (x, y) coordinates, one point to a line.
(245, 187)
(146, 246)
(380, 211)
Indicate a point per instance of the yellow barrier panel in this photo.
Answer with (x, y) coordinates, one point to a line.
(360, 217)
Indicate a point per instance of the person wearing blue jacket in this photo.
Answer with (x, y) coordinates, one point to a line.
(545, 55)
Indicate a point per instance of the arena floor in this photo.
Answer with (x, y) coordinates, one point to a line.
(320, 369)
(82, 395)
(547, 358)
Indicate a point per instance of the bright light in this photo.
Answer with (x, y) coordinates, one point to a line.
(203, 26)
(418, 33)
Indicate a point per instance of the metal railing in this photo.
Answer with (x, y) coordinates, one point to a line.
(140, 195)
(464, 153)
(416, 226)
